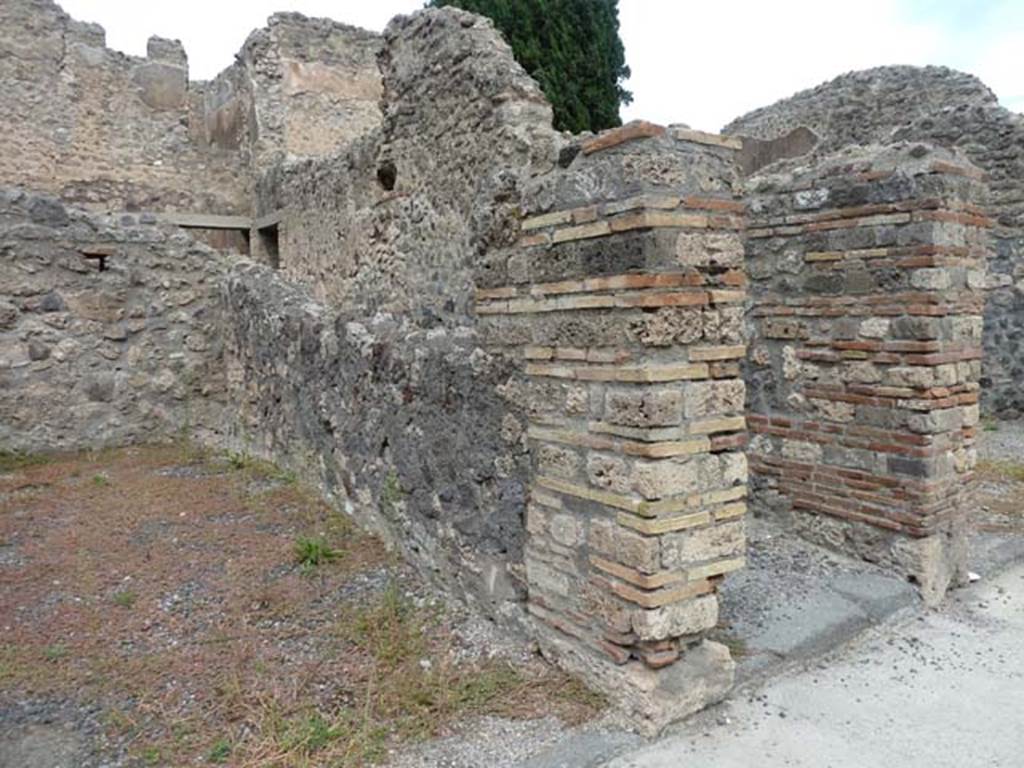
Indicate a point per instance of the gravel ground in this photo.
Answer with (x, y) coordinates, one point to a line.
(1002, 441)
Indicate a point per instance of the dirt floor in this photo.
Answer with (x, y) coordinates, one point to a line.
(160, 606)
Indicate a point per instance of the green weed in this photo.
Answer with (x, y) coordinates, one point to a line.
(313, 551)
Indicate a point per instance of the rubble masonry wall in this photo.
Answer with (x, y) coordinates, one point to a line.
(949, 109)
(867, 294)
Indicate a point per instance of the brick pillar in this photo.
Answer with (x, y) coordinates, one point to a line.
(867, 272)
(624, 301)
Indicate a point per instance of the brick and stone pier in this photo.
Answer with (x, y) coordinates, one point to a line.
(624, 302)
(867, 272)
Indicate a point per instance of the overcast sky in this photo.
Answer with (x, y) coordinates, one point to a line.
(701, 63)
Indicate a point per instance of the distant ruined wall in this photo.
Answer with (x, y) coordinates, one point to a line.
(113, 132)
(315, 87)
(104, 130)
(867, 275)
(950, 109)
(93, 357)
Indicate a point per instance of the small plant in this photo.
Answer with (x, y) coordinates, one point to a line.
(390, 491)
(100, 481)
(151, 756)
(238, 461)
(220, 752)
(314, 551)
(54, 652)
(391, 630)
(990, 425)
(125, 598)
(11, 461)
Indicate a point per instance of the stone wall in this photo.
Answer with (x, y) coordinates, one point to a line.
(411, 430)
(365, 370)
(315, 87)
(950, 109)
(474, 317)
(623, 303)
(868, 270)
(400, 221)
(108, 329)
(104, 130)
(113, 132)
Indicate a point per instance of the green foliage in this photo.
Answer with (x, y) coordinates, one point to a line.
(571, 48)
(220, 752)
(11, 461)
(125, 599)
(313, 551)
(391, 492)
(55, 652)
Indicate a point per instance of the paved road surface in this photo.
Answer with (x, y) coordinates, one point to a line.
(943, 689)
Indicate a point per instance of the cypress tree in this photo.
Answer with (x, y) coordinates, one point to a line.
(571, 48)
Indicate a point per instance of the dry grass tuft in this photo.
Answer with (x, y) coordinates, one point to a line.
(1000, 470)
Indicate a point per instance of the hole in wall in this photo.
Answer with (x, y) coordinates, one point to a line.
(270, 245)
(387, 174)
(97, 257)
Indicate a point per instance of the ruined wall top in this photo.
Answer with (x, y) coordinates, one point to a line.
(110, 131)
(316, 86)
(863, 107)
(401, 218)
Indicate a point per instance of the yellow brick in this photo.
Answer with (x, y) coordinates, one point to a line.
(570, 353)
(730, 511)
(656, 526)
(590, 494)
(665, 450)
(644, 374)
(523, 305)
(544, 499)
(539, 353)
(649, 219)
(505, 292)
(669, 506)
(644, 434)
(716, 568)
(492, 308)
(546, 220)
(633, 576)
(711, 426)
(732, 352)
(730, 494)
(607, 355)
(554, 371)
(662, 596)
(582, 232)
(726, 297)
